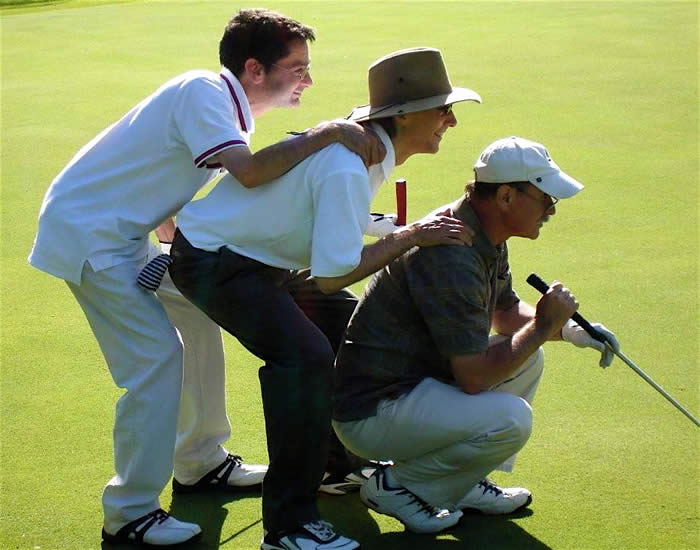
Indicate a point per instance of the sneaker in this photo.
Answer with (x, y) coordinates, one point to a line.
(315, 535)
(339, 484)
(488, 498)
(416, 514)
(157, 528)
(230, 475)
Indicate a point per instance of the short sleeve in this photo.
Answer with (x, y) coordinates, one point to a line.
(341, 206)
(205, 119)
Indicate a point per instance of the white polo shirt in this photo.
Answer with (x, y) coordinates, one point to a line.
(312, 216)
(138, 172)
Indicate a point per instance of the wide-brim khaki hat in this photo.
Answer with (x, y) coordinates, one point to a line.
(407, 81)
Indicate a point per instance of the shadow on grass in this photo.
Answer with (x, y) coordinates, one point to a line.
(352, 518)
(208, 510)
(474, 531)
(30, 3)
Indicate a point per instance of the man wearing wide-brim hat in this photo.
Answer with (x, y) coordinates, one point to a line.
(270, 265)
(410, 103)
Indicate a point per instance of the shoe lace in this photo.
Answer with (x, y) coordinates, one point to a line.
(489, 486)
(160, 515)
(423, 505)
(238, 460)
(322, 529)
(148, 520)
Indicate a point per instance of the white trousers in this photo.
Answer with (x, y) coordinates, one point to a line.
(144, 356)
(444, 441)
(203, 425)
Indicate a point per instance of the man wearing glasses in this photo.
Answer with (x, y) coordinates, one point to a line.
(420, 382)
(93, 232)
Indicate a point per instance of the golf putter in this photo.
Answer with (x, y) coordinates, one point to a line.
(535, 281)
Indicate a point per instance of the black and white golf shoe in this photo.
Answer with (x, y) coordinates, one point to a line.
(416, 514)
(334, 484)
(315, 535)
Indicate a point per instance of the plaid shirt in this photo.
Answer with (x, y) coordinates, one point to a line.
(428, 305)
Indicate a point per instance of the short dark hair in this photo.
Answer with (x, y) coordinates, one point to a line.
(484, 190)
(388, 124)
(261, 34)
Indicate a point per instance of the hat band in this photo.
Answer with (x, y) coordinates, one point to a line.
(381, 109)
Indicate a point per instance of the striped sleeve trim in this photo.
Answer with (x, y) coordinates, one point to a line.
(200, 161)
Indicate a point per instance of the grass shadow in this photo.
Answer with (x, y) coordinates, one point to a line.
(477, 531)
(9, 4)
(209, 511)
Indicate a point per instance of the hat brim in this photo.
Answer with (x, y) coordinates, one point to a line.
(367, 112)
(556, 184)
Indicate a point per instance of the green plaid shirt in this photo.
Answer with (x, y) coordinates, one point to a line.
(424, 307)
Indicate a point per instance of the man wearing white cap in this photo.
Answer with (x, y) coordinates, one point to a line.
(270, 265)
(420, 382)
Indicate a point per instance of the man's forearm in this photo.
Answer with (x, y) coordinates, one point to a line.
(510, 321)
(252, 170)
(432, 230)
(374, 257)
(477, 373)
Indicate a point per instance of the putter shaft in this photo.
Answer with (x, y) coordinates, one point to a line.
(537, 282)
(653, 384)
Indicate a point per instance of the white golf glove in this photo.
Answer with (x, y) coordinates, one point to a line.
(573, 333)
(380, 225)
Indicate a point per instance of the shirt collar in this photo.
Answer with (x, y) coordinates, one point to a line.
(389, 162)
(463, 211)
(240, 101)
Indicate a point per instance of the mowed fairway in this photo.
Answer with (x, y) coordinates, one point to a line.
(610, 87)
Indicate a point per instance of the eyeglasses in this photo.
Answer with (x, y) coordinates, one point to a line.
(548, 201)
(445, 109)
(301, 73)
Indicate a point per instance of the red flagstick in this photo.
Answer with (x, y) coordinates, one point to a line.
(401, 202)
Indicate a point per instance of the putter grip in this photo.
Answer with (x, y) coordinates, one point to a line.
(535, 281)
(401, 202)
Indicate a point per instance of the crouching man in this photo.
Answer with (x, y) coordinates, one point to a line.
(419, 379)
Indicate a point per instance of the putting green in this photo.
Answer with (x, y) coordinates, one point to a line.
(610, 87)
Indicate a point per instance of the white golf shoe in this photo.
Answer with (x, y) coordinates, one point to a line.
(488, 498)
(416, 514)
(156, 529)
(232, 474)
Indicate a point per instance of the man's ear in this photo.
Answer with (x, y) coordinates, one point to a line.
(254, 70)
(505, 196)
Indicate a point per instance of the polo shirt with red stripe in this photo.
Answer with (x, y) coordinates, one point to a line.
(138, 172)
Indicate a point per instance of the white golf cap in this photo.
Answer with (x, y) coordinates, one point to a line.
(516, 159)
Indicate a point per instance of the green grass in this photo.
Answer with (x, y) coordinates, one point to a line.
(611, 88)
